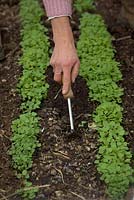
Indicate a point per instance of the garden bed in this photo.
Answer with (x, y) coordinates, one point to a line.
(64, 166)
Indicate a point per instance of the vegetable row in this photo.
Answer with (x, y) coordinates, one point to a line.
(32, 87)
(102, 74)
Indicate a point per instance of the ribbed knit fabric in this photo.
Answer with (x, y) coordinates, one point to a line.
(56, 8)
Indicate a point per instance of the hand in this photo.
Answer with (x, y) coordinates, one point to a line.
(65, 63)
(64, 59)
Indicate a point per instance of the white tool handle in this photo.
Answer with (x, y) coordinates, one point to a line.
(70, 114)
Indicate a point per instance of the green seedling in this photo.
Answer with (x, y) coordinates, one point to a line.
(33, 88)
(102, 74)
(82, 6)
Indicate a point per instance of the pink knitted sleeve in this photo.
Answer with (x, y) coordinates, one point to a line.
(55, 8)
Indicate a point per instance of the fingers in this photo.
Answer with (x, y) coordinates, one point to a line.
(66, 80)
(66, 75)
(75, 71)
(56, 69)
(58, 74)
(65, 65)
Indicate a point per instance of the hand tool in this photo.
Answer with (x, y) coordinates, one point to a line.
(68, 96)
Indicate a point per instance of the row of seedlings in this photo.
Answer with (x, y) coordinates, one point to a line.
(33, 88)
(102, 74)
(82, 6)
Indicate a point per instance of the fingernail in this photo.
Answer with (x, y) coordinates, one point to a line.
(73, 80)
(64, 92)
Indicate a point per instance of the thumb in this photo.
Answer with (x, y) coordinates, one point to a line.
(69, 94)
(75, 71)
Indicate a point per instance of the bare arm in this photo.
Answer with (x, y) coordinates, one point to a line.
(64, 58)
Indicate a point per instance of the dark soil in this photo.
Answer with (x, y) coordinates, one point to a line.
(65, 162)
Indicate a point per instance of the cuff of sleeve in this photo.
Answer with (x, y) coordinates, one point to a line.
(49, 18)
(58, 8)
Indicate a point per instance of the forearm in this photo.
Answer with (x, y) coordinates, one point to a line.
(58, 11)
(56, 8)
(62, 32)
(64, 60)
